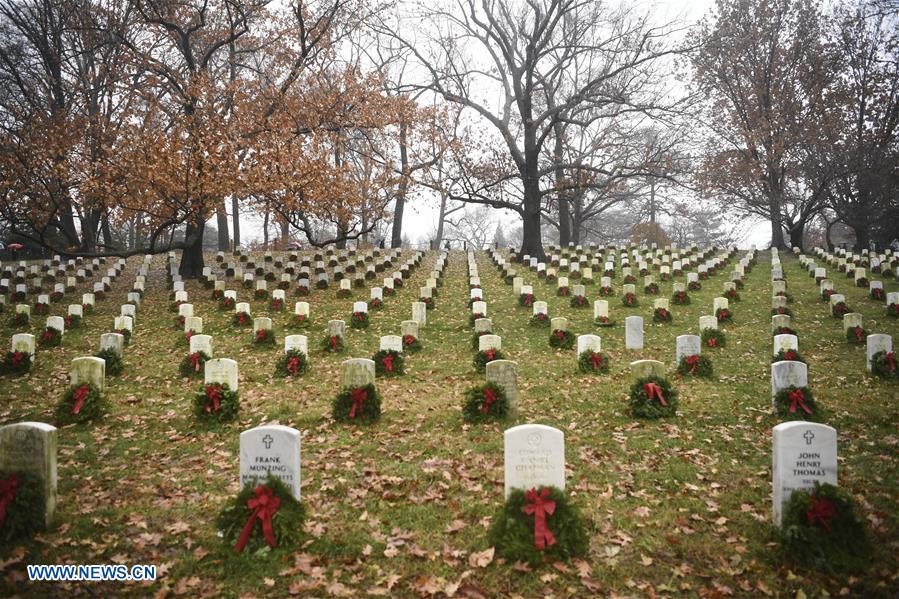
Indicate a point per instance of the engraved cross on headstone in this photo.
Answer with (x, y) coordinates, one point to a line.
(268, 440)
(809, 435)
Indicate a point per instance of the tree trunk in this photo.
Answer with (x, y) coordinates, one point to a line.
(396, 238)
(531, 235)
(192, 256)
(265, 227)
(561, 192)
(107, 234)
(236, 219)
(797, 232)
(221, 221)
(862, 236)
(285, 233)
(440, 220)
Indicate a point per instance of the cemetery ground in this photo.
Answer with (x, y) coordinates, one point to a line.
(678, 506)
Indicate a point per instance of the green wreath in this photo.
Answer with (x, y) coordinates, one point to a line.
(883, 364)
(781, 310)
(606, 291)
(25, 512)
(642, 406)
(893, 310)
(395, 360)
(287, 521)
(483, 357)
(293, 362)
(227, 303)
(114, 365)
(241, 319)
(796, 407)
(359, 320)
(512, 532)
(429, 302)
(593, 362)
(192, 365)
(301, 321)
(603, 321)
(661, 315)
(16, 362)
(713, 338)
(839, 309)
(473, 317)
(485, 402)
(411, 344)
(629, 300)
(789, 355)
(723, 315)
(264, 337)
(820, 529)
(732, 295)
(73, 321)
(50, 337)
(563, 291)
(225, 409)
(476, 339)
(20, 319)
(699, 367)
(368, 409)
(86, 399)
(579, 301)
(651, 289)
(560, 339)
(856, 335)
(332, 344)
(344, 293)
(526, 300)
(680, 298)
(539, 320)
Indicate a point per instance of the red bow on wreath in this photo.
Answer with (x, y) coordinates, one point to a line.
(214, 397)
(491, 354)
(195, 360)
(8, 488)
(540, 505)
(789, 355)
(560, 335)
(596, 358)
(859, 333)
(48, 335)
(653, 390)
(712, 342)
(408, 340)
(264, 505)
(489, 398)
(261, 334)
(692, 362)
(293, 365)
(387, 361)
(79, 395)
(333, 342)
(891, 361)
(300, 317)
(19, 356)
(796, 398)
(820, 511)
(358, 396)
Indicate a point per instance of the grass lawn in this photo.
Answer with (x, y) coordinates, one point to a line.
(675, 507)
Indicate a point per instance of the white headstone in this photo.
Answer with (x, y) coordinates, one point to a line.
(787, 373)
(708, 322)
(201, 343)
(633, 332)
(360, 307)
(534, 457)
(878, 343)
(600, 309)
(88, 370)
(242, 307)
(486, 342)
(420, 313)
(23, 342)
(785, 343)
(591, 343)
(186, 310)
(270, 450)
(30, 447)
(357, 372)
(645, 368)
(687, 345)
(193, 323)
(479, 308)
(222, 371)
(75, 310)
(113, 341)
(803, 453)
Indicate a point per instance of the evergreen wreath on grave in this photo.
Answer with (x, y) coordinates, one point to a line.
(540, 319)
(788, 355)
(301, 321)
(703, 276)
(241, 319)
(485, 402)
(820, 529)
(114, 366)
(488, 355)
(551, 277)
(247, 284)
(578, 301)
(264, 337)
(839, 309)
(389, 362)
(293, 363)
(680, 298)
(595, 362)
(652, 397)
(397, 281)
(526, 300)
(883, 364)
(21, 506)
(357, 404)
(16, 362)
(560, 339)
(281, 518)
(227, 303)
(20, 319)
(72, 321)
(739, 284)
(216, 402)
(126, 333)
(862, 282)
(796, 403)
(694, 286)
(173, 307)
(785, 295)
(609, 273)
(876, 294)
(344, 293)
(332, 344)
(359, 320)
(603, 321)
(473, 317)
(178, 323)
(825, 294)
(411, 344)
(723, 315)
(80, 403)
(713, 338)
(56, 296)
(695, 365)
(50, 337)
(301, 291)
(508, 278)
(192, 364)
(428, 302)
(475, 339)
(856, 335)
(630, 279)
(41, 308)
(321, 284)
(276, 304)
(781, 310)
(651, 289)
(261, 294)
(18, 296)
(562, 291)
(661, 315)
(784, 331)
(538, 525)
(630, 300)
(606, 291)
(375, 304)
(893, 310)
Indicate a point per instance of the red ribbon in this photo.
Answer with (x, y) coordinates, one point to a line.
(300, 317)
(712, 342)
(214, 397)
(540, 505)
(79, 395)
(333, 342)
(789, 355)
(891, 362)
(560, 334)
(489, 398)
(491, 353)
(796, 396)
(630, 299)
(692, 362)
(19, 356)
(195, 360)
(242, 318)
(653, 390)
(820, 511)
(188, 335)
(48, 335)
(358, 396)
(663, 313)
(8, 488)
(596, 358)
(408, 340)
(387, 361)
(261, 334)
(293, 365)
(264, 505)
(859, 333)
